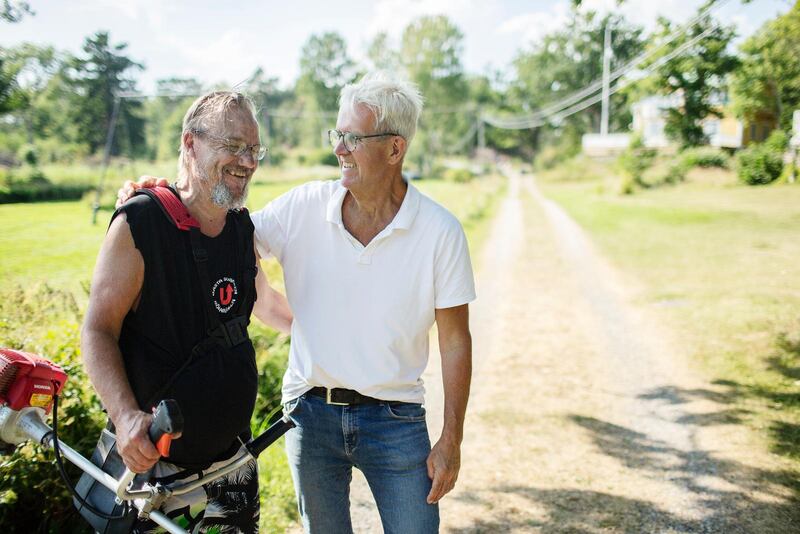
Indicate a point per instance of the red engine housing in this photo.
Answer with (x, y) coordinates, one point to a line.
(29, 380)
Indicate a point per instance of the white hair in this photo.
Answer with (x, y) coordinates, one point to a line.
(396, 103)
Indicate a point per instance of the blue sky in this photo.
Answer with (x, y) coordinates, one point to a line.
(224, 42)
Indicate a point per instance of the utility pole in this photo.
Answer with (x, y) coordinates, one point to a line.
(606, 68)
(481, 133)
(106, 158)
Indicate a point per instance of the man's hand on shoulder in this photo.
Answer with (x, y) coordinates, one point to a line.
(129, 188)
(133, 441)
(444, 462)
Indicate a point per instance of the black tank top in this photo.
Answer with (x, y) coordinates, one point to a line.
(165, 343)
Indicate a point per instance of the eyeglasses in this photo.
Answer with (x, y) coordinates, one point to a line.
(237, 148)
(350, 139)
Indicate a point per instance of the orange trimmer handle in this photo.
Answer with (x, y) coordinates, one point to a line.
(167, 425)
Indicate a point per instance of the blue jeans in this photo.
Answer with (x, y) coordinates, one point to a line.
(388, 442)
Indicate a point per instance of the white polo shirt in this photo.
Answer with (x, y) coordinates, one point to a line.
(362, 314)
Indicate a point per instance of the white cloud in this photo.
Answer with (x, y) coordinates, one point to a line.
(533, 26)
(392, 16)
(230, 57)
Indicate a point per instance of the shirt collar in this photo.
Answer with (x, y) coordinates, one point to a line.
(403, 219)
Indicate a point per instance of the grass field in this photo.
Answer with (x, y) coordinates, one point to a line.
(719, 262)
(54, 243)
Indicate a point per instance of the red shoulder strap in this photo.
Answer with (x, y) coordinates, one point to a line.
(172, 207)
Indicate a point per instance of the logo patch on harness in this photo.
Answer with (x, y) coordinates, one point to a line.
(224, 294)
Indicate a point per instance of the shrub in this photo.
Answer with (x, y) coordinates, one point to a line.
(633, 162)
(47, 322)
(276, 157)
(762, 163)
(31, 185)
(322, 156)
(459, 176)
(676, 172)
(28, 154)
(705, 157)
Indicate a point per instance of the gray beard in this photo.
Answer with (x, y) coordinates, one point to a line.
(222, 197)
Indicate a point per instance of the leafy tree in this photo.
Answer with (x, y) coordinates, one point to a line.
(164, 115)
(14, 10)
(97, 79)
(566, 61)
(431, 54)
(698, 74)
(769, 76)
(381, 54)
(325, 68)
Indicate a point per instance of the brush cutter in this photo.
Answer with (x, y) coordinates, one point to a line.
(29, 389)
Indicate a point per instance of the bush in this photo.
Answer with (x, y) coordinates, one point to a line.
(762, 163)
(276, 157)
(28, 154)
(459, 176)
(705, 157)
(676, 172)
(322, 156)
(46, 321)
(633, 162)
(31, 185)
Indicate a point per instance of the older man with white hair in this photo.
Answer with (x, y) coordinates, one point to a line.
(370, 264)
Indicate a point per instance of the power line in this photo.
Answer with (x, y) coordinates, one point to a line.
(532, 120)
(597, 97)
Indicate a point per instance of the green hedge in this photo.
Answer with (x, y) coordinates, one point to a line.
(31, 185)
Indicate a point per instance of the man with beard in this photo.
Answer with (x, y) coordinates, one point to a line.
(169, 309)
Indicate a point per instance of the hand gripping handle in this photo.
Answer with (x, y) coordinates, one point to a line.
(167, 425)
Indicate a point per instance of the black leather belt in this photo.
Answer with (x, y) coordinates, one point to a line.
(342, 397)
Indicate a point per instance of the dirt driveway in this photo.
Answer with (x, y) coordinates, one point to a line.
(584, 416)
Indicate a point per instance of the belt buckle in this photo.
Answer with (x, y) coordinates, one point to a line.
(329, 401)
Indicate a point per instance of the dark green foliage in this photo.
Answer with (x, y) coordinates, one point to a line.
(705, 157)
(96, 79)
(272, 353)
(698, 74)
(46, 321)
(769, 77)
(31, 185)
(322, 156)
(458, 175)
(762, 163)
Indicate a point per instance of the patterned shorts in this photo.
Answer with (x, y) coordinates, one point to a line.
(227, 504)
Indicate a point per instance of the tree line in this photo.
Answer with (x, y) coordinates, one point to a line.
(56, 106)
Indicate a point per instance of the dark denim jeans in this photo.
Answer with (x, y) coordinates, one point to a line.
(388, 442)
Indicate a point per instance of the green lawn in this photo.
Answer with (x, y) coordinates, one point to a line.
(719, 262)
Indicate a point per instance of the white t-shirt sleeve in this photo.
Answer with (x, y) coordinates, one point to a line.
(270, 233)
(454, 283)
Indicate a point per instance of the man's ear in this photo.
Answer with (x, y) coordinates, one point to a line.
(399, 147)
(188, 142)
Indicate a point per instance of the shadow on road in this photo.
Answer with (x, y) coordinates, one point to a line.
(734, 497)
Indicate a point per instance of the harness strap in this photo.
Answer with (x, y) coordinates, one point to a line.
(171, 205)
